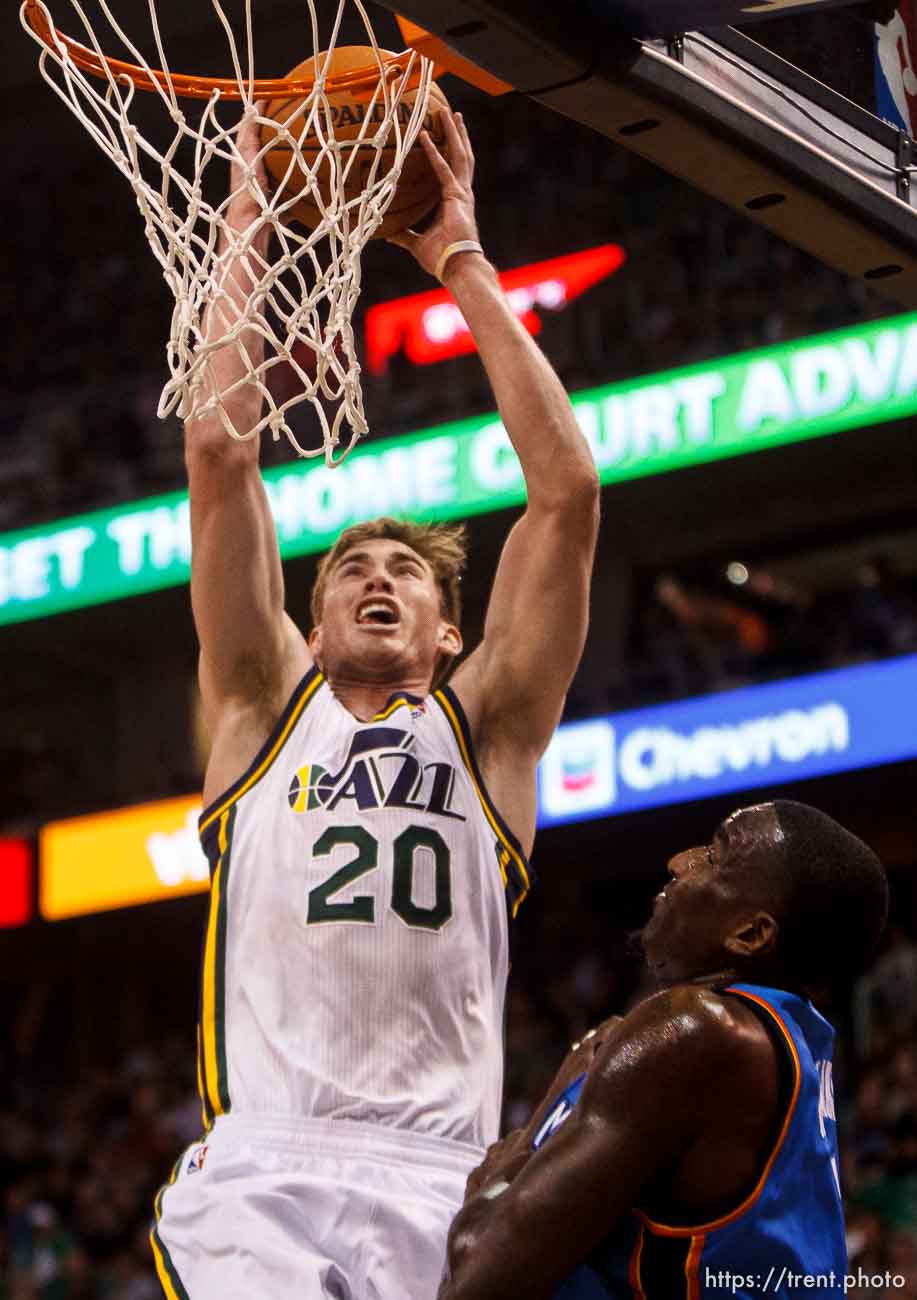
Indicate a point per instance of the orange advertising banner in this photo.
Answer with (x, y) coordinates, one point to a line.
(121, 858)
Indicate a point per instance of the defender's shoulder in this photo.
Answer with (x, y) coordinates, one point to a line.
(693, 1024)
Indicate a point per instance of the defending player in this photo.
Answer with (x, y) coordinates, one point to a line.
(355, 959)
(696, 1155)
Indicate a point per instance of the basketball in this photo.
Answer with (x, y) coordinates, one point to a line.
(418, 189)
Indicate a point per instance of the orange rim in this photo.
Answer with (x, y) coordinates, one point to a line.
(188, 86)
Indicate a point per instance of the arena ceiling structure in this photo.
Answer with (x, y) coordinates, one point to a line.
(676, 84)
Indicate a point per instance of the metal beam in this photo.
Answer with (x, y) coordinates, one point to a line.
(719, 111)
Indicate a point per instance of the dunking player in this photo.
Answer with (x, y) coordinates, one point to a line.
(366, 837)
(689, 1150)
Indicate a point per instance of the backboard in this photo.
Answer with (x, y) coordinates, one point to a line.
(767, 105)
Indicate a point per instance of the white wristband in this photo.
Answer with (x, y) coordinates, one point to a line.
(460, 246)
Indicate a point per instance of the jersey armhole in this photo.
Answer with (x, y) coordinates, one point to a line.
(788, 1081)
(518, 876)
(268, 752)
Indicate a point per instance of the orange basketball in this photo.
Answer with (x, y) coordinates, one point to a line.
(418, 189)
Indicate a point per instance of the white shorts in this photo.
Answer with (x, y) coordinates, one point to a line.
(268, 1209)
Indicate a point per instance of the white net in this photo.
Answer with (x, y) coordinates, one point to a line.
(300, 295)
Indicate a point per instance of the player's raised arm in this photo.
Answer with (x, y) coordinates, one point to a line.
(513, 686)
(249, 649)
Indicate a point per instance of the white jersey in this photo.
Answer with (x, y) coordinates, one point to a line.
(356, 950)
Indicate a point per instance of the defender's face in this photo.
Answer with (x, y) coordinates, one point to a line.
(710, 894)
(381, 613)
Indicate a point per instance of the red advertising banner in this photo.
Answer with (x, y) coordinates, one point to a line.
(15, 882)
(429, 327)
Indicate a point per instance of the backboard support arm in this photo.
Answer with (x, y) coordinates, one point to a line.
(725, 115)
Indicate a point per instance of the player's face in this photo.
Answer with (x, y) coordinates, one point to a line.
(709, 897)
(382, 615)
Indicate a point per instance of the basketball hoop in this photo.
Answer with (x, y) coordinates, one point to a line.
(304, 297)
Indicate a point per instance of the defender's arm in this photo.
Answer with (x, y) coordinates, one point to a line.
(629, 1126)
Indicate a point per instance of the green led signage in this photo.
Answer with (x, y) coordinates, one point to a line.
(745, 403)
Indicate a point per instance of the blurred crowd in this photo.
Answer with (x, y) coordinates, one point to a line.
(80, 1166)
(80, 1161)
(879, 1119)
(748, 624)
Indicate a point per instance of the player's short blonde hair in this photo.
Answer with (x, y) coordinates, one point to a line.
(443, 546)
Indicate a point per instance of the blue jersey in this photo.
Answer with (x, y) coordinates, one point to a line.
(790, 1225)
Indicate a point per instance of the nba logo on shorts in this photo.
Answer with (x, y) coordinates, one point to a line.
(578, 770)
(196, 1160)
